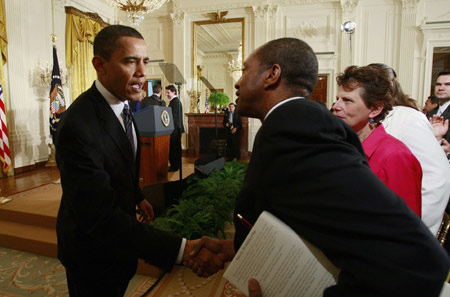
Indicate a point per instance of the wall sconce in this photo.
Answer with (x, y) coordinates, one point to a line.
(45, 74)
(349, 27)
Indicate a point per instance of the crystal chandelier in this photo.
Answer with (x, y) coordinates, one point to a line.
(136, 9)
(235, 66)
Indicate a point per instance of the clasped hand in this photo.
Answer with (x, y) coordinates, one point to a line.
(440, 126)
(206, 256)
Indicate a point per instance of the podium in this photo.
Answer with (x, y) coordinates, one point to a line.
(155, 124)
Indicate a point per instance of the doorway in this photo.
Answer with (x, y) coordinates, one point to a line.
(320, 91)
(441, 62)
(148, 86)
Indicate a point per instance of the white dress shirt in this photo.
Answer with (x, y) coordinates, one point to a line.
(117, 107)
(442, 108)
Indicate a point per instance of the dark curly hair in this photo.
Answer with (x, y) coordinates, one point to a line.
(105, 43)
(299, 66)
(376, 87)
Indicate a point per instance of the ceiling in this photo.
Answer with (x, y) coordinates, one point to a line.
(219, 38)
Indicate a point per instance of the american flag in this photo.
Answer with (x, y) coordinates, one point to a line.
(5, 155)
(52, 108)
(57, 103)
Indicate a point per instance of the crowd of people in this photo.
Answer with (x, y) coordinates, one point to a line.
(367, 183)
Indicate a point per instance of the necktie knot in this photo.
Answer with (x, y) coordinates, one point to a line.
(126, 110)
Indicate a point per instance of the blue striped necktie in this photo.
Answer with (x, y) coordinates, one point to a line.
(128, 125)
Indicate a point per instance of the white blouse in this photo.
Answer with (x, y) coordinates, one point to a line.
(413, 129)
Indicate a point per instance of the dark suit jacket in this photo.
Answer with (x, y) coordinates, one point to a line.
(445, 114)
(308, 168)
(177, 114)
(152, 100)
(96, 225)
(237, 121)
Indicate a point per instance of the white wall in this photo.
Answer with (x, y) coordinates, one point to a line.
(29, 24)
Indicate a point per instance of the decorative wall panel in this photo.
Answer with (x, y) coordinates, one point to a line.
(316, 25)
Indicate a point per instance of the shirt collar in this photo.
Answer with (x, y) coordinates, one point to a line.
(443, 107)
(371, 143)
(113, 101)
(281, 103)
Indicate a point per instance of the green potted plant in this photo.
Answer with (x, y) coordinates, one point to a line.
(206, 205)
(222, 100)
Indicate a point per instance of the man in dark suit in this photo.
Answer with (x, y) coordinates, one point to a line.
(154, 99)
(98, 153)
(442, 93)
(430, 104)
(308, 168)
(232, 122)
(175, 137)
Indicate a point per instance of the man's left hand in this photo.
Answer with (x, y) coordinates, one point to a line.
(146, 215)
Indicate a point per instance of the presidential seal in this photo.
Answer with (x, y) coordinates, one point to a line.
(165, 118)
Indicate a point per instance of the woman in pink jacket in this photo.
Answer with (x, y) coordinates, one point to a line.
(364, 99)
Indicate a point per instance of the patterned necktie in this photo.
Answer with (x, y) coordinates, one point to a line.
(128, 125)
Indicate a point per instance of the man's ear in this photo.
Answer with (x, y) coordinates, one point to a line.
(99, 64)
(376, 110)
(272, 76)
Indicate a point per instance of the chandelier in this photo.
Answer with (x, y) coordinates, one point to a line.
(136, 9)
(235, 66)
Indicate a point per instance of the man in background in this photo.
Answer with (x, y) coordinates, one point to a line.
(232, 122)
(175, 137)
(430, 104)
(442, 93)
(154, 99)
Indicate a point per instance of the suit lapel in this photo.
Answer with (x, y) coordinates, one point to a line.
(138, 148)
(114, 129)
(446, 113)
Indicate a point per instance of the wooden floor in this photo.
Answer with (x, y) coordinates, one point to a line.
(15, 184)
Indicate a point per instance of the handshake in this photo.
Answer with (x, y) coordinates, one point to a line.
(206, 256)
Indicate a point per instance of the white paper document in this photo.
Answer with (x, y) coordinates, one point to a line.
(445, 290)
(282, 263)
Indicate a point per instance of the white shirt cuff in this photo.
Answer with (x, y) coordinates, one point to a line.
(181, 252)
